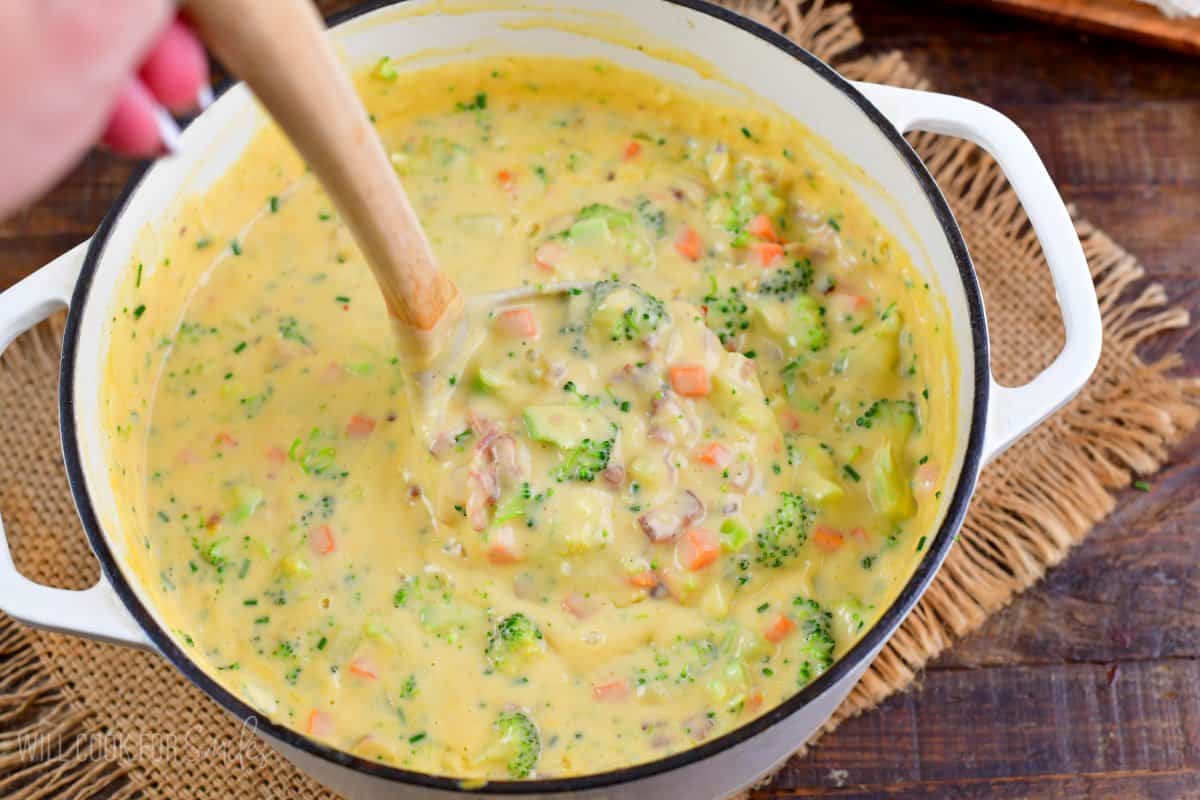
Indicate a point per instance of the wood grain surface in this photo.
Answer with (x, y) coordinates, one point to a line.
(1089, 684)
(1129, 19)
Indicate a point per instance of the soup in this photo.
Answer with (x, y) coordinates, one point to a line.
(655, 506)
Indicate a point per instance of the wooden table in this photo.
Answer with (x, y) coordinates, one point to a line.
(1089, 685)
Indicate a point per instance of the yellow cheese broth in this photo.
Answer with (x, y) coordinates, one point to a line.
(441, 607)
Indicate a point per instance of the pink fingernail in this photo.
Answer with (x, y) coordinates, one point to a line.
(138, 126)
(175, 68)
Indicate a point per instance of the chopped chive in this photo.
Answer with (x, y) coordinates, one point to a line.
(236, 247)
(852, 473)
(137, 312)
(341, 298)
(253, 601)
(921, 544)
(321, 644)
(203, 242)
(240, 347)
(416, 737)
(324, 216)
(138, 283)
(1141, 486)
(274, 203)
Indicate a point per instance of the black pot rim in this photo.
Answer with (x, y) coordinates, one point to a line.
(879, 632)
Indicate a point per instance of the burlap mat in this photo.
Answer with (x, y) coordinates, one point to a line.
(81, 719)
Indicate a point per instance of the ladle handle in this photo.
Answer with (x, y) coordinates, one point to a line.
(280, 50)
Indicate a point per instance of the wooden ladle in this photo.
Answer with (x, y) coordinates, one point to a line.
(280, 50)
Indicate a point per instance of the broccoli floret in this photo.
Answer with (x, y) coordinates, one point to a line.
(514, 505)
(613, 216)
(780, 540)
(289, 328)
(596, 221)
(514, 639)
(589, 459)
(728, 315)
(623, 312)
(520, 745)
(788, 283)
(653, 217)
(887, 410)
(816, 640)
(810, 323)
(212, 552)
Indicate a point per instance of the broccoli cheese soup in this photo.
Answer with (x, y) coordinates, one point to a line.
(658, 504)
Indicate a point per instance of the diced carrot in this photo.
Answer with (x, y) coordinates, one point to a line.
(690, 380)
(632, 149)
(223, 439)
(187, 456)
(611, 691)
(332, 373)
(688, 244)
(322, 540)
(848, 303)
(214, 521)
(716, 455)
(508, 181)
(276, 455)
(360, 426)
(548, 256)
(519, 323)
(698, 548)
(861, 535)
(762, 227)
(319, 724)
(577, 605)
(779, 628)
(754, 699)
(363, 668)
(646, 579)
(790, 420)
(766, 252)
(827, 539)
(502, 546)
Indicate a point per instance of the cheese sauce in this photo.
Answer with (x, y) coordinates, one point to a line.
(659, 505)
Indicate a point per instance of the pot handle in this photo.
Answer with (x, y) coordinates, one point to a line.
(1014, 410)
(96, 612)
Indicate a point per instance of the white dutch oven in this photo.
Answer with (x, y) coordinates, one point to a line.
(864, 122)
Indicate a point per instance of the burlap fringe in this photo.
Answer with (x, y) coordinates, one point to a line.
(44, 737)
(1021, 522)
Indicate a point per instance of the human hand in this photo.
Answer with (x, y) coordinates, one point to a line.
(74, 72)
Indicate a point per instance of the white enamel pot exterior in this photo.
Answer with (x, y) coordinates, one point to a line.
(863, 122)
